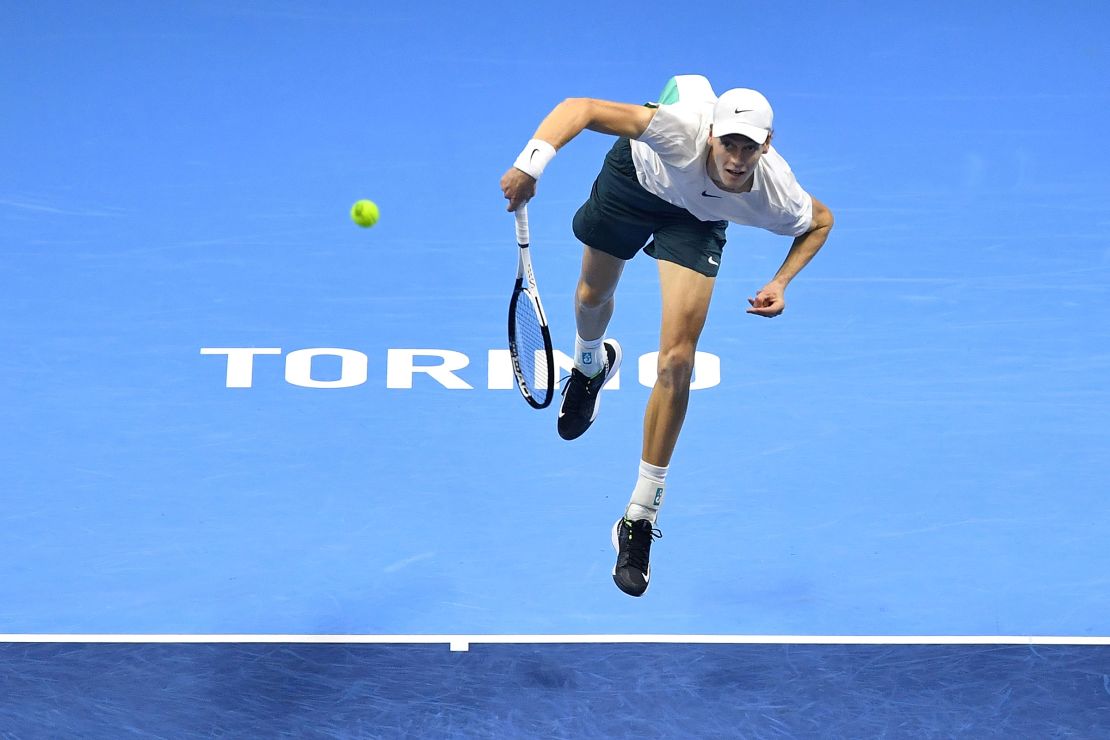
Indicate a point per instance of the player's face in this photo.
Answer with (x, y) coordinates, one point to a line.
(732, 160)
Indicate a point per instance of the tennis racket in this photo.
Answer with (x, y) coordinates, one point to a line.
(529, 338)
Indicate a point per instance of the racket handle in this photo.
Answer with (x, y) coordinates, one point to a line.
(522, 225)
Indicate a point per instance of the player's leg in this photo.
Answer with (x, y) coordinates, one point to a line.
(594, 298)
(614, 223)
(596, 359)
(686, 297)
(688, 254)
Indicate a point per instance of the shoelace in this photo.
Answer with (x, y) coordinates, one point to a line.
(577, 394)
(640, 547)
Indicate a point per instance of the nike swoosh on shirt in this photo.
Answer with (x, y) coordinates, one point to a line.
(708, 195)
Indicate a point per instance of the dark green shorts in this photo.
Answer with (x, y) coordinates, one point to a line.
(621, 216)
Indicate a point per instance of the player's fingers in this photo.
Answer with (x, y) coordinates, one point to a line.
(768, 312)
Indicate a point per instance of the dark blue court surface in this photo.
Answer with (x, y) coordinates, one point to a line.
(228, 410)
(558, 691)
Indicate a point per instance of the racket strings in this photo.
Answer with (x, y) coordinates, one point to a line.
(531, 348)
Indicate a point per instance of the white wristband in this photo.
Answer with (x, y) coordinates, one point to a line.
(535, 157)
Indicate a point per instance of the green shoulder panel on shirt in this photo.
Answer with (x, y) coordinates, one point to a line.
(691, 88)
(670, 92)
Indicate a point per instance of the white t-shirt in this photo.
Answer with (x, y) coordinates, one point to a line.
(670, 162)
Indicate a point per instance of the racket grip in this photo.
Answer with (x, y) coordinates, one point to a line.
(522, 225)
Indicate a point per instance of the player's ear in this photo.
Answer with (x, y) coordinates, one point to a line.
(766, 144)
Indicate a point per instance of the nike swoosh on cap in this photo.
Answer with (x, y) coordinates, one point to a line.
(746, 110)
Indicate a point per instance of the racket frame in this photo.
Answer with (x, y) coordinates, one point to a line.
(525, 289)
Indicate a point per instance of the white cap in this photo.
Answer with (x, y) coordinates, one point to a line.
(745, 112)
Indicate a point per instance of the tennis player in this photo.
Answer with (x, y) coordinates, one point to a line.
(679, 172)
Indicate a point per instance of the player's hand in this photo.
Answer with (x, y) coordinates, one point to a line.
(769, 301)
(518, 186)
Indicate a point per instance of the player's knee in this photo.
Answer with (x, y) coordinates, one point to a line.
(590, 296)
(676, 366)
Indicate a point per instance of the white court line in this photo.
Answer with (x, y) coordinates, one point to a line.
(462, 643)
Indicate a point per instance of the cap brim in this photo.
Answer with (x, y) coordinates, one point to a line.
(755, 133)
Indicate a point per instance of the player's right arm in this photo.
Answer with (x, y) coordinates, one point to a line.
(568, 119)
(574, 115)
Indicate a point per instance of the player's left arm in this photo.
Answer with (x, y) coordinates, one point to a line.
(771, 299)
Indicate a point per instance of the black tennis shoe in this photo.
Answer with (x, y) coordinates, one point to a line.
(582, 395)
(632, 541)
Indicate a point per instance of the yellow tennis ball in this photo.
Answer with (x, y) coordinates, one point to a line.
(365, 213)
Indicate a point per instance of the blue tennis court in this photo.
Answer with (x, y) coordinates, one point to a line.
(273, 464)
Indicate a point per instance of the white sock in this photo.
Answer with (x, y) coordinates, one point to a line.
(647, 496)
(589, 357)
